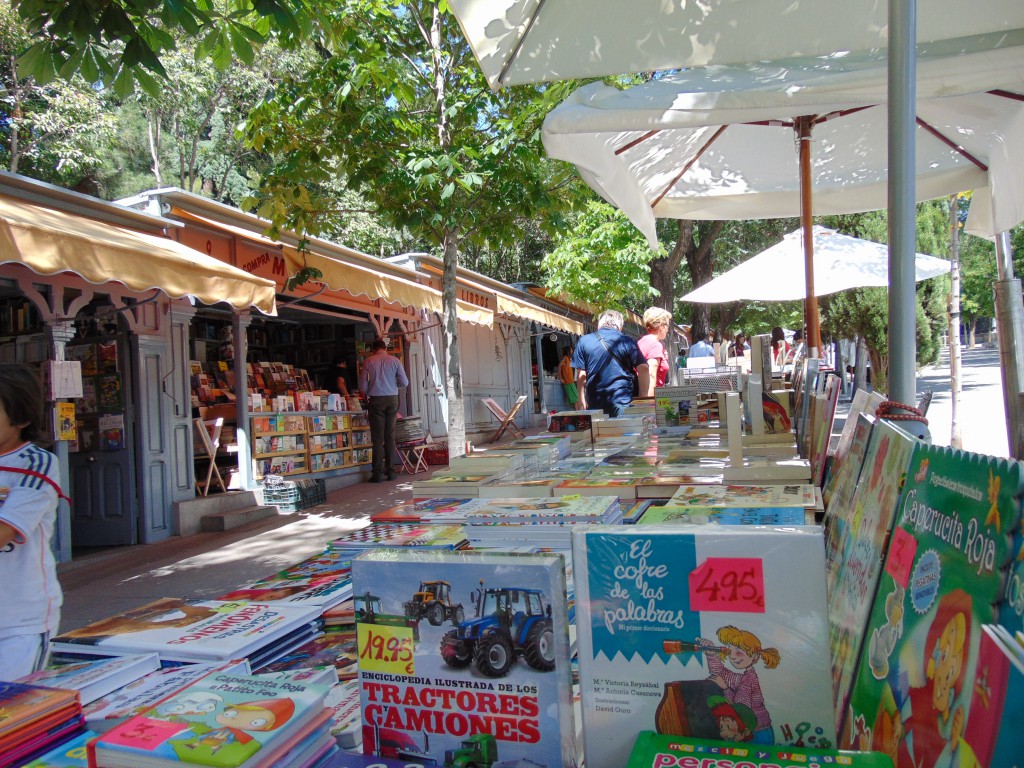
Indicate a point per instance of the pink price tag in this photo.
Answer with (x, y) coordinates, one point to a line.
(144, 733)
(728, 584)
(900, 561)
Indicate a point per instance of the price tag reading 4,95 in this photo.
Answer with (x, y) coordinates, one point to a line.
(728, 584)
(385, 648)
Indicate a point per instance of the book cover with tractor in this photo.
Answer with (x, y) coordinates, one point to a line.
(464, 658)
(711, 632)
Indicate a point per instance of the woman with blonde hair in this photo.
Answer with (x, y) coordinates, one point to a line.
(657, 321)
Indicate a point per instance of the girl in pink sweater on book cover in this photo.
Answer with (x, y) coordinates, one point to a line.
(743, 650)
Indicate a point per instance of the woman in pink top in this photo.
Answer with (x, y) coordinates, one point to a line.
(657, 321)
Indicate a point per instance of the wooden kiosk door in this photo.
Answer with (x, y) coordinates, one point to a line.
(103, 509)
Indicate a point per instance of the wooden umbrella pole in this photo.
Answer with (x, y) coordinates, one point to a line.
(803, 132)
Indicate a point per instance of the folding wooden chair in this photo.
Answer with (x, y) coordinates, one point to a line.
(205, 444)
(411, 453)
(506, 419)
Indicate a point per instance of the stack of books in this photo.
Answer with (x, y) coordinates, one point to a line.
(94, 678)
(322, 581)
(453, 484)
(532, 521)
(388, 535)
(179, 630)
(35, 719)
(224, 720)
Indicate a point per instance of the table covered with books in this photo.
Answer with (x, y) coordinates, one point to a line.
(601, 596)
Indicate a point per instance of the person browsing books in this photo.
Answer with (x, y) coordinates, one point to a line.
(29, 491)
(657, 322)
(382, 377)
(610, 369)
(568, 378)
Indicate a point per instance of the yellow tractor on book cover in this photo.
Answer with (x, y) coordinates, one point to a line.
(433, 602)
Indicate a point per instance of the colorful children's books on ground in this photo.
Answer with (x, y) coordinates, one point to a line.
(656, 750)
(223, 720)
(491, 688)
(341, 615)
(953, 538)
(420, 535)
(113, 709)
(855, 542)
(67, 754)
(95, 678)
(320, 592)
(745, 625)
(346, 719)
(452, 484)
(329, 564)
(195, 630)
(33, 719)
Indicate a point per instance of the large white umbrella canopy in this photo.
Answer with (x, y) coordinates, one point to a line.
(840, 262)
(528, 41)
(718, 142)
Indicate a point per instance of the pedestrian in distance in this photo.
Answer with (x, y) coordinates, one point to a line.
(657, 322)
(610, 370)
(29, 492)
(568, 378)
(382, 377)
(703, 347)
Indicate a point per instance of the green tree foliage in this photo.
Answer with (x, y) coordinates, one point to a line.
(57, 132)
(603, 259)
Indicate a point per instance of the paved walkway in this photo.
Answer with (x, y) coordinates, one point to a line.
(209, 564)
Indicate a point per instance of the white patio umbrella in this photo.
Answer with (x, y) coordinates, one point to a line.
(720, 142)
(529, 41)
(840, 262)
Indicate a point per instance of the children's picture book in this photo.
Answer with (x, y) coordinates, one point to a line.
(106, 712)
(745, 625)
(109, 395)
(623, 487)
(692, 515)
(191, 630)
(539, 487)
(656, 750)
(844, 472)
(320, 592)
(67, 754)
(483, 677)
(855, 544)
(111, 427)
(675, 406)
(865, 403)
(337, 648)
(942, 578)
(570, 422)
(743, 496)
(412, 512)
(22, 704)
(223, 720)
(997, 700)
(95, 678)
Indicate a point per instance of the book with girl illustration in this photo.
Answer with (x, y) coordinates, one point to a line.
(676, 625)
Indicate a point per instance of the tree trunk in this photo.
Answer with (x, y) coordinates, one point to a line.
(970, 332)
(663, 280)
(955, 380)
(453, 375)
(701, 262)
(153, 123)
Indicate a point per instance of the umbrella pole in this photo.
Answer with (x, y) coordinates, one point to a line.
(803, 133)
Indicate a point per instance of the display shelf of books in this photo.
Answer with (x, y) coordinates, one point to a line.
(329, 441)
(279, 444)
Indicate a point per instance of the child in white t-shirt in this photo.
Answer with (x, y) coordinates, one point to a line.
(29, 491)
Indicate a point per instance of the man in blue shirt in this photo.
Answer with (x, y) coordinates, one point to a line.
(607, 363)
(382, 377)
(702, 348)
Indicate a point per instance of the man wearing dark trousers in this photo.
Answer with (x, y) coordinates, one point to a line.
(382, 377)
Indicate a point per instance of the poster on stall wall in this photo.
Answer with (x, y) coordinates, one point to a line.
(64, 420)
(111, 431)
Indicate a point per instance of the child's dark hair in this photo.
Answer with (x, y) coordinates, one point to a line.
(21, 394)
